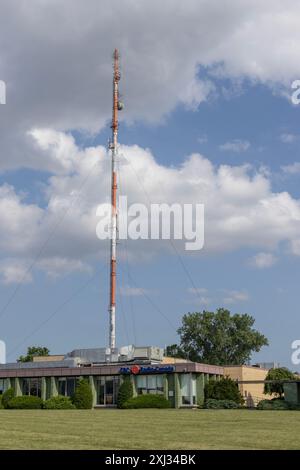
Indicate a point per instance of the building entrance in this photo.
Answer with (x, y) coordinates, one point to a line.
(107, 390)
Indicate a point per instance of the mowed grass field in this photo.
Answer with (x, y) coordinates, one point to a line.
(149, 429)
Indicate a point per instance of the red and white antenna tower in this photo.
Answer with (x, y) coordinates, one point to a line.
(117, 106)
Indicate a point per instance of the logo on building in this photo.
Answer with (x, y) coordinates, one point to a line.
(135, 369)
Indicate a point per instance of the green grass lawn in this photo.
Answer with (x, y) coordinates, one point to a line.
(149, 429)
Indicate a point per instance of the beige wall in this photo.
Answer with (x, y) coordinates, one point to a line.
(251, 392)
(47, 358)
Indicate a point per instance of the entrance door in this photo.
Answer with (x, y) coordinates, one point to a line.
(106, 390)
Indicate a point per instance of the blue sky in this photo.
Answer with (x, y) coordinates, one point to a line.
(239, 122)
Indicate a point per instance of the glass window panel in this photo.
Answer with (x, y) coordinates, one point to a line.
(70, 387)
(62, 387)
(151, 382)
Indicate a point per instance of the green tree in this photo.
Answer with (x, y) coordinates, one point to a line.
(174, 351)
(34, 351)
(219, 337)
(83, 396)
(281, 373)
(125, 392)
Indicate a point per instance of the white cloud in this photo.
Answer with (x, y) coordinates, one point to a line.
(171, 54)
(197, 290)
(293, 169)
(55, 267)
(288, 138)
(241, 209)
(14, 271)
(133, 291)
(235, 296)
(263, 260)
(235, 145)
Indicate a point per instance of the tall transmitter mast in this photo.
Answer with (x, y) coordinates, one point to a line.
(117, 106)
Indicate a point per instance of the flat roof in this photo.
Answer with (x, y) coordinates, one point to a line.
(107, 369)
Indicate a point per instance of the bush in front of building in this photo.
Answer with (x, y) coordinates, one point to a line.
(59, 403)
(147, 401)
(213, 404)
(25, 402)
(83, 396)
(1, 406)
(125, 392)
(277, 404)
(7, 396)
(223, 389)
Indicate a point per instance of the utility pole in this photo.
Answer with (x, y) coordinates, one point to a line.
(117, 106)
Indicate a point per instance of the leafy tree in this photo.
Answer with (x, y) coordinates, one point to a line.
(218, 337)
(174, 351)
(83, 396)
(125, 392)
(34, 351)
(281, 373)
(223, 389)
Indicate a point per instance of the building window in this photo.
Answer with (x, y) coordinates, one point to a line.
(150, 384)
(32, 387)
(188, 389)
(3, 386)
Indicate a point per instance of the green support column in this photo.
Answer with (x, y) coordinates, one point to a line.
(8, 383)
(92, 384)
(18, 390)
(200, 383)
(132, 379)
(43, 389)
(177, 391)
(53, 387)
(166, 388)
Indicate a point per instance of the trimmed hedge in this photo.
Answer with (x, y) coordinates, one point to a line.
(59, 403)
(25, 403)
(213, 404)
(125, 392)
(83, 396)
(223, 389)
(276, 404)
(147, 401)
(7, 396)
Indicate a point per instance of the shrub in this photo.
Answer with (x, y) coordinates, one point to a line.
(25, 403)
(223, 389)
(211, 403)
(59, 403)
(1, 406)
(7, 396)
(83, 396)
(125, 392)
(147, 401)
(276, 404)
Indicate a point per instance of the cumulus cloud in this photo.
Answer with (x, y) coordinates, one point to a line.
(235, 296)
(171, 54)
(235, 145)
(263, 260)
(292, 169)
(14, 271)
(241, 209)
(289, 138)
(133, 291)
(197, 290)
